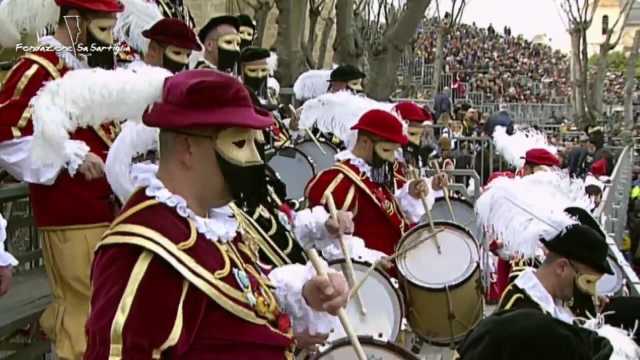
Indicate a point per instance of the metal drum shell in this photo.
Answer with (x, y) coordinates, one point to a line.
(384, 348)
(294, 195)
(440, 212)
(320, 164)
(427, 307)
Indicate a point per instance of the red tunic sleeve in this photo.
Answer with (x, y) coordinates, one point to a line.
(335, 183)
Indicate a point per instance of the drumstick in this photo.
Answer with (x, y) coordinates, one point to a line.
(445, 190)
(414, 173)
(315, 140)
(313, 256)
(345, 252)
(400, 252)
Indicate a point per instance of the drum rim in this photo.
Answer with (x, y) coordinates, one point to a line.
(368, 340)
(320, 140)
(454, 286)
(442, 199)
(617, 274)
(396, 289)
(456, 199)
(306, 157)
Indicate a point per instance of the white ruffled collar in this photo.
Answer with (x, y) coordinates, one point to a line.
(355, 161)
(221, 225)
(70, 60)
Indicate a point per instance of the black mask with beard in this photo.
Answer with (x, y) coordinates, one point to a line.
(247, 183)
(382, 171)
(582, 303)
(245, 43)
(100, 55)
(412, 154)
(228, 60)
(257, 84)
(173, 66)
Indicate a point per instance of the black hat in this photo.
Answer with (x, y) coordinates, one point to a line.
(585, 242)
(346, 73)
(215, 22)
(253, 53)
(246, 20)
(529, 334)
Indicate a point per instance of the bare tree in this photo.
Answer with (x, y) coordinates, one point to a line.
(291, 26)
(348, 44)
(329, 21)
(316, 8)
(384, 56)
(595, 105)
(630, 80)
(446, 23)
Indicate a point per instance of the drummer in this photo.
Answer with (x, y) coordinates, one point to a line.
(361, 181)
(576, 260)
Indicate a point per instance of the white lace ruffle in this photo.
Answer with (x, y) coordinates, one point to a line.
(356, 248)
(412, 207)
(6, 259)
(70, 60)
(220, 226)
(309, 226)
(355, 161)
(75, 152)
(288, 281)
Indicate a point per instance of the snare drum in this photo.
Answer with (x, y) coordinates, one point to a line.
(374, 349)
(441, 285)
(382, 302)
(463, 211)
(322, 154)
(610, 285)
(294, 169)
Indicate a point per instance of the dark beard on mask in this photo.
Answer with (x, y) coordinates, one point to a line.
(245, 43)
(412, 155)
(582, 304)
(257, 84)
(382, 171)
(173, 66)
(228, 60)
(247, 184)
(99, 57)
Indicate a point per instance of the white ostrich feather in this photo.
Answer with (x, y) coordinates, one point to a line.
(521, 211)
(138, 16)
(272, 83)
(272, 63)
(338, 112)
(25, 17)
(134, 139)
(514, 147)
(89, 98)
(311, 84)
(624, 347)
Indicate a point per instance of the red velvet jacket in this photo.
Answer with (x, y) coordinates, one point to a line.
(162, 290)
(69, 201)
(377, 218)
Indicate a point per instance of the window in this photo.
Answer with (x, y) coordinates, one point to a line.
(605, 24)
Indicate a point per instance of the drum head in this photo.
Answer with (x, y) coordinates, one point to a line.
(463, 211)
(611, 284)
(382, 301)
(323, 156)
(431, 267)
(294, 168)
(342, 350)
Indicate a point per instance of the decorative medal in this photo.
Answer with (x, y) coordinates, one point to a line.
(243, 281)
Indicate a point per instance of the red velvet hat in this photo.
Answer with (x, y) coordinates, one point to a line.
(541, 157)
(173, 32)
(106, 6)
(412, 112)
(205, 98)
(382, 124)
(498, 174)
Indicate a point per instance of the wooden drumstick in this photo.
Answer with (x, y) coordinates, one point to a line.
(445, 190)
(400, 252)
(345, 252)
(315, 140)
(416, 176)
(313, 256)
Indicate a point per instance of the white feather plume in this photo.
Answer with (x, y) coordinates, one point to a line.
(338, 112)
(25, 17)
(311, 84)
(500, 209)
(624, 347)
(272, 63)
(514, 147)
(89, 98)
(272, 83)
(138, 16)
(134, 139)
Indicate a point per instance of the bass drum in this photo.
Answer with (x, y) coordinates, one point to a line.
(294, 169)
(611, 285)
(462, 210)
(441, 282)
(384, 309)
(322, 154)
(374, 349)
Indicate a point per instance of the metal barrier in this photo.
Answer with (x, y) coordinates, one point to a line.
(612, 214)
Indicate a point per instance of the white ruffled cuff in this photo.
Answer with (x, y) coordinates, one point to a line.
(6, 259)
(75, 152)
(356, 248)
(309, 226)
(288, 281)
(412, 207)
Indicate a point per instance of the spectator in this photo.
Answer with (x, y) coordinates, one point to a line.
(441, 104)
